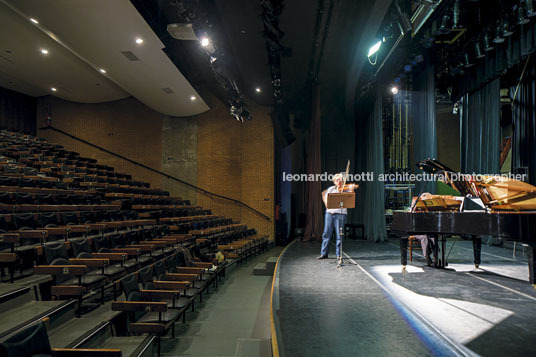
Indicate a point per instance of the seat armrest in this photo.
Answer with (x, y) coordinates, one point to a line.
(182, 277)
(147, 306)
(60, 269)
(90, 262)
(79, 352)
(160, 294)
(116, 257)
(171, 285)
(67, 290)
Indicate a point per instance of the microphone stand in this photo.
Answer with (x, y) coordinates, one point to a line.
(341, 234)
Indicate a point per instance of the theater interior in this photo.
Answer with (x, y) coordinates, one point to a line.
(258, 178)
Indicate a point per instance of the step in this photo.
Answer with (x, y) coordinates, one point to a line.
(260, 269)
(253, 347)
(270, 264)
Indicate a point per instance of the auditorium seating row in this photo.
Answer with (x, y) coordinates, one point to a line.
(101, 261)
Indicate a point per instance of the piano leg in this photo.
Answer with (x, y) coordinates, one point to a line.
(404, 250)
(477, 246)
(443, 248)
(532, 265)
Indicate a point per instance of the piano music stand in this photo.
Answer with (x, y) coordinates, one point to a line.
(341, 200)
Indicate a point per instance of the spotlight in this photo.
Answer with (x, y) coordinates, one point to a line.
(487, 43)
(498, 35)
(139, 41)
(258, 90)
(521, 19)
(53, 89)
(467, 60)
(443, 29)
(192, 98)
(374, 48)
(478, 51)
(204, 42)
(102, 70)
(530, 8)
(507, 32)
(44, 51)
(456, 15)
(394, 90)
(34, 20)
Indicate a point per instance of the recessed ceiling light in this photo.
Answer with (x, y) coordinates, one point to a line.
(53, 89)
(192, 98)
(139, 41)
(34, 20)
(204, 42)
(258, 90)
(44, 51)
(102, 70)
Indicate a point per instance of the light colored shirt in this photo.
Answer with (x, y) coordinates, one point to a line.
(333, 189)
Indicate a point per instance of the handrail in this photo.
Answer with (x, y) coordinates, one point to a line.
(238, 202)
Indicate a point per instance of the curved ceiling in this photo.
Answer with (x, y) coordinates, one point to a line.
(82, 37)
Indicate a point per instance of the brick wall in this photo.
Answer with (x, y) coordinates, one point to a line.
(210, 150)
(126, 127)
(237, 160)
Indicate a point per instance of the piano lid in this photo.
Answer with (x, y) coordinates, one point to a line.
(452, 178)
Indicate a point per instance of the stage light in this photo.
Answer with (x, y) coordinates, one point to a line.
(478, 51)
(53, 89)
(467, 63)
(139, 41)
(204, 42)
(507, 32)
(258, 90)
(521, 19)
(487, 43)
(443, 29)
(34, 20)
(456, 15)
(374, 48)
(498, 35)
(530, 8)
(394, 90)
(44, 51)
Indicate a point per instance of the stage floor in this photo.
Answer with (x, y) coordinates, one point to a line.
(373, 308)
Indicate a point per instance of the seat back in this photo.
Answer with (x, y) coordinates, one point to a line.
(146, 277)
(81, 248)
(101, 244)
(69, 218)
(117, 240)
(160, 270)
(32, 341)
(48, 219)
(24, 221)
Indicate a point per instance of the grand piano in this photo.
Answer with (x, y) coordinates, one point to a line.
(510, 213)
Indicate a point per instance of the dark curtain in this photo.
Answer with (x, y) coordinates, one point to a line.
(369, 158)
(17, 111)
(424, 122)
(524, 125)
(504, 56)
(313, 189)
(480, 130)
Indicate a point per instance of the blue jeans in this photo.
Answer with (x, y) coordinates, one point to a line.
(332, 222)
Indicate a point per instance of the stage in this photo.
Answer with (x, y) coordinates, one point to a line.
(373, 308)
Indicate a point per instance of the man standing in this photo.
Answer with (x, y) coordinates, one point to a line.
(334, 218)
